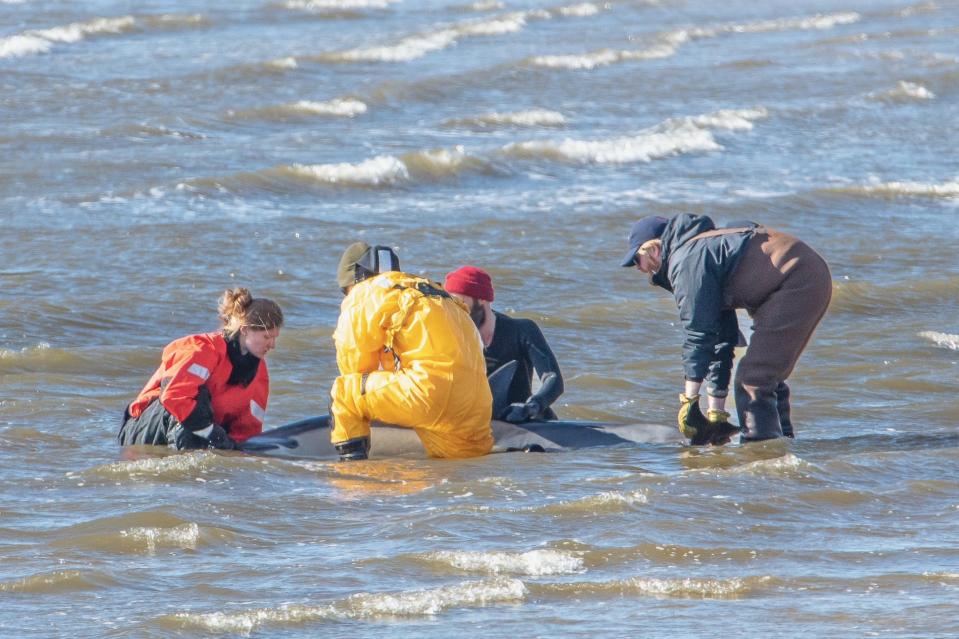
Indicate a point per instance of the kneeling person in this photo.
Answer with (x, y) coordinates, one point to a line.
(409, 356)
(211, 389)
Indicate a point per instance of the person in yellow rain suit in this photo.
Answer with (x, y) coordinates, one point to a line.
(409, 355)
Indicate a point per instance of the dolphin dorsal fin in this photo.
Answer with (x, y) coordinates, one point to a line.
(499, 383)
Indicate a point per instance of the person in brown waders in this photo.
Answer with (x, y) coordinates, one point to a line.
(783, 284)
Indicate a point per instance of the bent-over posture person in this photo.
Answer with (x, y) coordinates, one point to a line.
(211, 389)
(783, 284)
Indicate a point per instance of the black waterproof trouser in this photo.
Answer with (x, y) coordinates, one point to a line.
(156, 426)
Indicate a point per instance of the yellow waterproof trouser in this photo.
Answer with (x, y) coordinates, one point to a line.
(458, 428)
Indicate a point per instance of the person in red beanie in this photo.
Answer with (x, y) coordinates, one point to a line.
(507, 338)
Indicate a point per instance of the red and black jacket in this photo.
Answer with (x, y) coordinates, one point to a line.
(204, 360)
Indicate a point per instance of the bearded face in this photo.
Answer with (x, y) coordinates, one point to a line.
(477, 312)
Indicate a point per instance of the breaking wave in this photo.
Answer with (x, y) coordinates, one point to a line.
(411, 603)
(534, 563)
(948, 189)
(37, 41)
(418, 45)
(601, 58)
(673, 137)
(904, 91)
(670, 41)
(529, 117)
(185, 466)
(339, 107)
(337, 5)
(380, 171)
(56, 582)
(186, 536)
(679, 588)
(582, 10)
(945, 340)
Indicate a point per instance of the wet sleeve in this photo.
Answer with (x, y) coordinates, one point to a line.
(699, 297)
(721, 366)
(545, 365)
(360, 334)
(186, 371)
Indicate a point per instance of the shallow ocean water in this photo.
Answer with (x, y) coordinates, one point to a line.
(153, 155)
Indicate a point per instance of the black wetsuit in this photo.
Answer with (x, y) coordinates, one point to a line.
(523, 341)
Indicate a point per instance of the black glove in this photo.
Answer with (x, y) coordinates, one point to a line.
(220, 440)
(722, 430)
(353, 449)
(217, 438)
(522, 412)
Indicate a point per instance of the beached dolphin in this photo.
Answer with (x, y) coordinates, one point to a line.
(310, 438)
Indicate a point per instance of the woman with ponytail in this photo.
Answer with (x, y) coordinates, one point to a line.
(211, 389)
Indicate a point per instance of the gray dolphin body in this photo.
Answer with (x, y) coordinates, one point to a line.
(310, 438)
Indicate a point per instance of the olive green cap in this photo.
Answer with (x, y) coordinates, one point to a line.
(346, 271)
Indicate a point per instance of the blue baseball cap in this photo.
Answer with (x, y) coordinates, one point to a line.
(646, 229)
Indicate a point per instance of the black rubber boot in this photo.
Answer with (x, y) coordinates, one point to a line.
(782, 405)
(758, 414)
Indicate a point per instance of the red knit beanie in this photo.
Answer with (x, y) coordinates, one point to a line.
(472, 281)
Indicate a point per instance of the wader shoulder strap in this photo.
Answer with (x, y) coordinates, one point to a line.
(715, 232)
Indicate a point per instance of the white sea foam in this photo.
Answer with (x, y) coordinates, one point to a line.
(176, 21)
(672, 137)
(416, 46)
(942, 189)
(640, 148)
(437, 162)
(905, 91)
(729, 119)
(433, 601)
(343, 107)
(581, 10)
(183, 536)
(383, 169)
(337, 5)
(26, 351)
(917, 9)
(697, 588)
(37, 41)
(529, 117)
(601, 58)
(486, 5)
(185, 465)
(365, 605)
(533, 563)
(244, 622)
(79, 30)
(407, 49)
(776, 465)
(22, 45)
(818, 21)
(944, 340)
(282, 63)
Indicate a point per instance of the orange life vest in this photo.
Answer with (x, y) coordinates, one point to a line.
(202, 360)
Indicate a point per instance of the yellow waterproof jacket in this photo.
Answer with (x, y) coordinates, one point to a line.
(410, 355)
